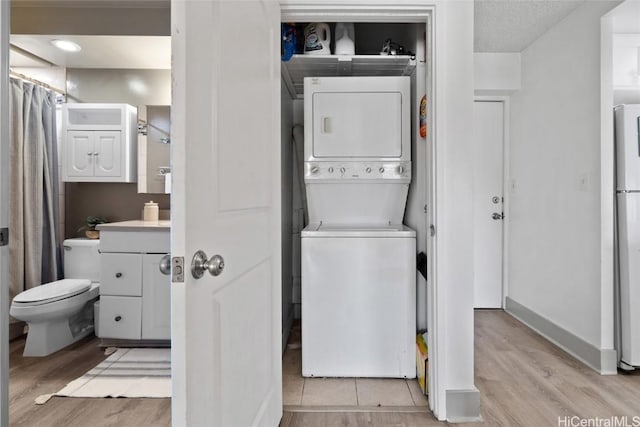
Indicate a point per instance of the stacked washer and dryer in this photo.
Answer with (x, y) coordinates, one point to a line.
(358, 259)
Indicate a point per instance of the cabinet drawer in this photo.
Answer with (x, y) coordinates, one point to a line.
(121, 274)
(121, 317)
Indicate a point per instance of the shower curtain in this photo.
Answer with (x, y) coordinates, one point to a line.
(34, 251)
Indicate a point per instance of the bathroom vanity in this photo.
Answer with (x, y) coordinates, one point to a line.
(135, 297)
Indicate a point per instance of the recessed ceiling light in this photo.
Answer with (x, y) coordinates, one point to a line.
(66, 45)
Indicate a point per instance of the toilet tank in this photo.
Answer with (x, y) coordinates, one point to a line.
(82, 259)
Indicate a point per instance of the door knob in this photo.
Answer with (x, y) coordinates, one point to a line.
(200, 264)
(165, 264)
(497, 216)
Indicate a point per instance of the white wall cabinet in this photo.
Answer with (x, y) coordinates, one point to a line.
(135, 296)
(99, 143)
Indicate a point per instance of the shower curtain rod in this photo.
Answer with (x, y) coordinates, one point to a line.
(43, 84)
(38, 82)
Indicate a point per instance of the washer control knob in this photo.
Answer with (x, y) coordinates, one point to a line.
(330, 169)
(342, 170)
(368, 170)
(400, 169)
(381, 169)
(315, 169)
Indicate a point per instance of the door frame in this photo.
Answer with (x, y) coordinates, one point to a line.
(506, 188)
(4, 209)
(410, 13)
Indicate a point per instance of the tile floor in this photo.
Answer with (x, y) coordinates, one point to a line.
(363, 392)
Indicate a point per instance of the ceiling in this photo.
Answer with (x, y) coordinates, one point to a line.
(512, 25)
(499, 26)
(130, 52)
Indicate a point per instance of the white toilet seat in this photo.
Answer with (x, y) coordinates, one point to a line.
(52, 292)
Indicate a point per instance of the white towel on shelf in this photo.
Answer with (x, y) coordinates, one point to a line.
(167, 182)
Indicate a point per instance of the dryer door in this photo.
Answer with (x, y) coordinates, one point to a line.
(357, 124)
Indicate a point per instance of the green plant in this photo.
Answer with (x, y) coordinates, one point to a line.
(91, 222)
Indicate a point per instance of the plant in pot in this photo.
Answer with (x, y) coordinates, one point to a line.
(90, 226)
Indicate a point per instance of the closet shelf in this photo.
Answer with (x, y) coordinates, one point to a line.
(301, 66)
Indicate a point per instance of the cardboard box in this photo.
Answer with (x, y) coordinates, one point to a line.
(422, 362)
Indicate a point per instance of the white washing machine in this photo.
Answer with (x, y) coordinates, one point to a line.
(358, 260)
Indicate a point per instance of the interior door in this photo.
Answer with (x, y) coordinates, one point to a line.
(4, 211)
(488, 130)
(225, 201)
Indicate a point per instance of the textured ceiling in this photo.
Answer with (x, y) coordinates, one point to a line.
(512, 25)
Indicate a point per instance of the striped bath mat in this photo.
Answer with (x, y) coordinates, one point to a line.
(129, 372)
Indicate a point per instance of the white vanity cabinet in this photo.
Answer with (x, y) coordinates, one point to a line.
(135, 295)
(99, 143)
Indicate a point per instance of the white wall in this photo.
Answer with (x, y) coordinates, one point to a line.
(626, 74)
(286, 120)
(453, 298)
(496, 73)
(555, 184)
(298, 205)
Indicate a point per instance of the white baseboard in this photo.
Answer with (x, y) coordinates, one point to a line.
(604, 361)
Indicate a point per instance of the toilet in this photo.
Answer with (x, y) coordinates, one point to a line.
(61, 312)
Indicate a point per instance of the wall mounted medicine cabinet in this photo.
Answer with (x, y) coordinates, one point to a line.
(99, 143)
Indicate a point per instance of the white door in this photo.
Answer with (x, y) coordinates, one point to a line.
(156, 299)
(226, 329)
(4, 210)
(488, 131)
(79, 151)
(108, 153)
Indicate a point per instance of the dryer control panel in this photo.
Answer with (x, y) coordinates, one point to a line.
(357, 171)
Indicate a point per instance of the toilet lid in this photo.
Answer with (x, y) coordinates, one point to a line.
(53, 291)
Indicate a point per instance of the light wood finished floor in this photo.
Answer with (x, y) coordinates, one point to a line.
(523, 380)
(308, 394)
(31, 377)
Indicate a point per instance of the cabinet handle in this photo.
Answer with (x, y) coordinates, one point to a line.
(89, 154)
(96, 153)
(165, 264)
(118, 275)
(118, 318)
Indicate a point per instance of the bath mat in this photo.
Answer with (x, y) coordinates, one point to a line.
(128, 372)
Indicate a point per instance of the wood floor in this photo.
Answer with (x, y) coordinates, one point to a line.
(31, 377)
(523, 380)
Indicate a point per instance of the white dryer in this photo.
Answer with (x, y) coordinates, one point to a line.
(358, 260)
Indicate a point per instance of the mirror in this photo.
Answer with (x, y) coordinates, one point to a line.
(154, 131)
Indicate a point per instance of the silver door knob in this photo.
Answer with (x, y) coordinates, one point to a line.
(165, 264)
(200, 264)
(497, 216)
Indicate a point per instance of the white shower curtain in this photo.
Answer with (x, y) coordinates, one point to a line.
(34, 251)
